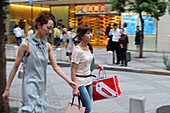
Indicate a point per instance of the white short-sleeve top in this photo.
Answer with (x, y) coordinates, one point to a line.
(83, 60)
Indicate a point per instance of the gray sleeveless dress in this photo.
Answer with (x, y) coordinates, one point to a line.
(34, 80)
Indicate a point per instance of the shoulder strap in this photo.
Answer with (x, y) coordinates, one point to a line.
(26, 53)
(27, 49)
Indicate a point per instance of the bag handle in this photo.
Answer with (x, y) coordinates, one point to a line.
(78, 102)
(104, 74)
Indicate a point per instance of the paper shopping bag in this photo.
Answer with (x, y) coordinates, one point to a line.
(106, 88)
(74, 108)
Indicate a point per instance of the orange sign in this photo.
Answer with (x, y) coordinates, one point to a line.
(102, 8)
(96, 8)
(90, 8)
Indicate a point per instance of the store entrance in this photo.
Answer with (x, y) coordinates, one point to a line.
(98, 24)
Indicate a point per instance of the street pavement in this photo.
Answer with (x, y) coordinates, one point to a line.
(152, 62)
(134, 82)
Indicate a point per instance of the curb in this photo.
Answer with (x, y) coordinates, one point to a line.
(146, 71)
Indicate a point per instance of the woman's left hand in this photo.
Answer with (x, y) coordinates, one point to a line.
(73, 84)
(99, 66)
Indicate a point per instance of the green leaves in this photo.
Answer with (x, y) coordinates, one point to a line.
(166, 61)
(155, 8)
(6, 3)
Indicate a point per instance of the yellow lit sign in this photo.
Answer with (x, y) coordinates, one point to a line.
(24, 6)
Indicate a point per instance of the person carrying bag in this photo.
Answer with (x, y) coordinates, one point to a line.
(82, 64)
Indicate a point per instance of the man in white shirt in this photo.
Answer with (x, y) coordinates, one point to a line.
(113, 41)
(18, 34)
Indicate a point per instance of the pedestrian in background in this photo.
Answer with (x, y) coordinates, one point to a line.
(70, 42)
(63, 35)
(108, 47)
(5, 37)
(34, 79)
(125, 29)
(108, 28)
(57, 33)
(114, 35)
(23, 34)
(137, 38)
(80, 66)
(30, 32)
(124, 44)
(18, 34)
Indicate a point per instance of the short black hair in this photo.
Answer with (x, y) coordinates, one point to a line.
(115, 24)
(71, 28)
(125, 24)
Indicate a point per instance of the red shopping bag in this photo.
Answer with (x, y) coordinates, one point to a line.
(106, 87)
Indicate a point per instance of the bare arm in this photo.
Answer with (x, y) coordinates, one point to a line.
(73, 77)
(21, 51)
(57, 69)
(73, 71)
(99, 66)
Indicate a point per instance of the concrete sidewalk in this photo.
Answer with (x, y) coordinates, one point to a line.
(152, 63)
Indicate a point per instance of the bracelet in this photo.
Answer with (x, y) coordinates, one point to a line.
(75, 89)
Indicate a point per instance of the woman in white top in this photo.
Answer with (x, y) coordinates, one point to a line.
(70, 44)
(80, 66)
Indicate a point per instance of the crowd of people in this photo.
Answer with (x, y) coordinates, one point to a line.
(64, 37)
(118, 42)
(19, 33)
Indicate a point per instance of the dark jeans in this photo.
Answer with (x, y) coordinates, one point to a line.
(18, 40)
(123, 56)
(57, 41)
(115, 47)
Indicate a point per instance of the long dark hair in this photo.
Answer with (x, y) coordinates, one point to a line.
(81, 30)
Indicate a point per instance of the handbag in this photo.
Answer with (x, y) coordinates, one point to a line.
(104, 87)
(22, 67)
(74, 108)
(128, 56)
(93, 65)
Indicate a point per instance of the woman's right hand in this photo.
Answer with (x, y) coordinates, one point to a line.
(5, 96)
(76, 93)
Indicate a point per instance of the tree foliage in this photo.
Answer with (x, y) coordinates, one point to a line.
(154, 8)
(5, 11)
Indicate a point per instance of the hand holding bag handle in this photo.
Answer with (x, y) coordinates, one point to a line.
(104, 74)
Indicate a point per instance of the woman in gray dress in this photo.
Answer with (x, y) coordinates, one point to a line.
(34, 80)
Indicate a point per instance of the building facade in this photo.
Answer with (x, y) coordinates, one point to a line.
(97, 14)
